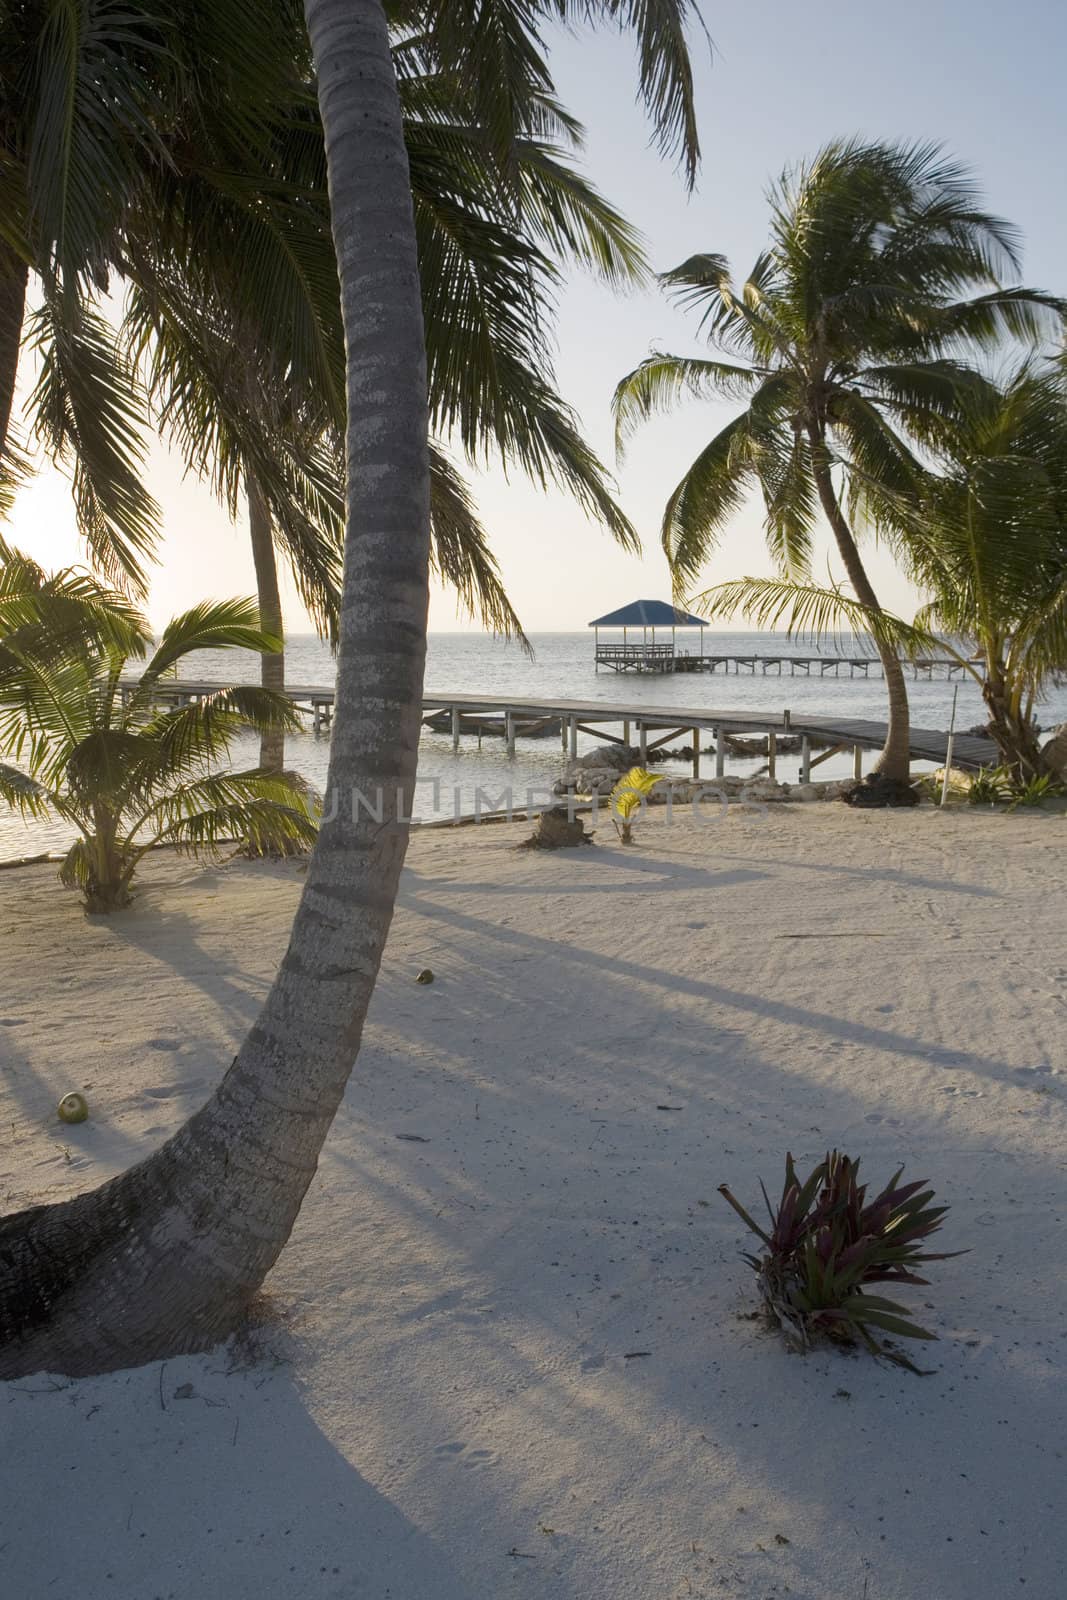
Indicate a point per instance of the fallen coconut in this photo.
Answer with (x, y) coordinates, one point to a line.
(73, 1108)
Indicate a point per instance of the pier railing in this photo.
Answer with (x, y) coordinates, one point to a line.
(647, 657)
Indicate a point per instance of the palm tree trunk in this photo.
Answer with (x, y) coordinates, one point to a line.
(165, 1257)
(14, 275)
(271, 667)
(895, 759)
(1015, 736)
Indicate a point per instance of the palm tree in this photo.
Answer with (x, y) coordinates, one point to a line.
(100, 753)
(234, 319)
(166, 1256)
(225, 246)
(845, 337)
(982, 532)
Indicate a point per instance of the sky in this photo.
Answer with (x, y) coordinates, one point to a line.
(778, 81)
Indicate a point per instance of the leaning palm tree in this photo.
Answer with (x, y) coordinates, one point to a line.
(982, 533)
(167, 1256)
(845, 341)
(124, 772)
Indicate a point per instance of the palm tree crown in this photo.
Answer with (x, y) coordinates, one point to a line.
(849, 330)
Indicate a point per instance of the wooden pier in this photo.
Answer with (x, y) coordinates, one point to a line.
(665, 658)
(644, 727)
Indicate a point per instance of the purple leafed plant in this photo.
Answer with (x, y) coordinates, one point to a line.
(828, 1244)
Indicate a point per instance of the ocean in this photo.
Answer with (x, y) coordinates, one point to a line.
(562, 665)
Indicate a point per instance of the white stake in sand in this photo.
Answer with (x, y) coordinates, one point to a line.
(948, 747)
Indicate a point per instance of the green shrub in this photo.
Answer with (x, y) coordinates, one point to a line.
(990, 786)
(1036, 790)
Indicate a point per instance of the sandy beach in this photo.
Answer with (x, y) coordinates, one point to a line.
(509, 1349)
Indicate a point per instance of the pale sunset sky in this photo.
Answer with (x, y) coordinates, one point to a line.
(986, 80)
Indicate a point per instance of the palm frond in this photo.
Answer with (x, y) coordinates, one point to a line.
(662, 380)
(811, 612)
(460, 553)
(87, 411)
(712, 490)
(268, 810)
(574, 220)
(96, 98)
(24, 794)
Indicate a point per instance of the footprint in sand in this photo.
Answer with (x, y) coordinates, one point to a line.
(473, 1460)
(164, 1044)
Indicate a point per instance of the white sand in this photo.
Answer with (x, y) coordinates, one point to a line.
(443, 1409)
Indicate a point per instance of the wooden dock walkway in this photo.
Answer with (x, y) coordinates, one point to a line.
(645, 727)
(660, 658)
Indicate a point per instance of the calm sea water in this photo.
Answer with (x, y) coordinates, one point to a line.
(562, 666)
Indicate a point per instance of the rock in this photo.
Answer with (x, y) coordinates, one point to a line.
(425, 976)
(598, 771)
(766, 789)
(586, 780)
(1054, 752)
(619, 757)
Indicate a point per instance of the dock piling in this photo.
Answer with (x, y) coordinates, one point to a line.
(509, 731)
(805, 759)
(455, 727)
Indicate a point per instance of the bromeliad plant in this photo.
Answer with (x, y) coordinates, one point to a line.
(828, 1244)
(81, 742)
(628, 798)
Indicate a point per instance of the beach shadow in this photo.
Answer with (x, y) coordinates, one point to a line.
(63, 1152)
(668, 874)
(591, 1306)
(165, 931)
(190, 1480)
(888, 875)
(617, 968)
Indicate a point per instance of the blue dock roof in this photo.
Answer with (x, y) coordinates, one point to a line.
(648, 614)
